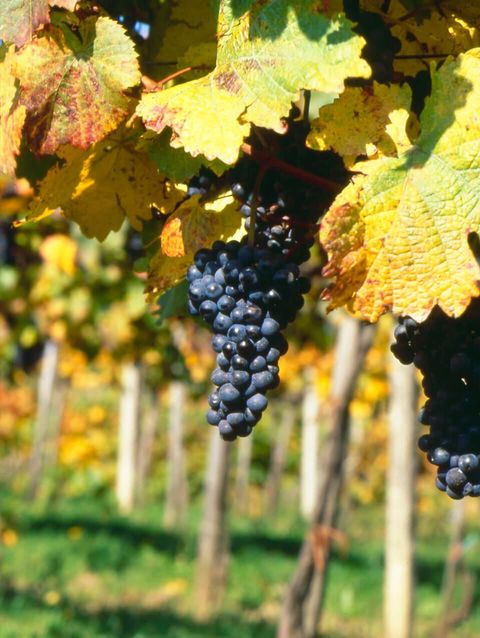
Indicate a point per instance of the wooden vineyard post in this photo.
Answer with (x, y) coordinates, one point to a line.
(128, 435)
(400, 501)
(212, 553)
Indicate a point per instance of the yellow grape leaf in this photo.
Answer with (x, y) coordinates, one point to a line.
(73, 86)
(12, 116)
(190, 24)
(60, 251)
(266, 54)
(192, 226)
(364, 114)
(439, 34)
(204, 119)
(98, 188)
(164, 273)
(19, 19)
(402, 127)
(439, 29)
(397, 236)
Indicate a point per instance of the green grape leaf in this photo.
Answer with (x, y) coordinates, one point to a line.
(397, 237)
(175, 163)
(173, 302)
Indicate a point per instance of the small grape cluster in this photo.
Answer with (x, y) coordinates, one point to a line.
(248, 295)
(202, 183)
(447, 350)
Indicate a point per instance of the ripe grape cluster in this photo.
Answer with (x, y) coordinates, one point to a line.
(249, 294)
(447, 350)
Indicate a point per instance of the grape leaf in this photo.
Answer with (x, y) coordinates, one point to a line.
(429, 32)
(165, 272)
(73, 87)
(99, 187)
(175, 163)
(190, 227)
(191, 25)
(365, 113)
(19, 19)
(264, 57)
(397, 237)
(12, 116)
(196, 111)
(173, 302)
(439, 34)
(199, 57)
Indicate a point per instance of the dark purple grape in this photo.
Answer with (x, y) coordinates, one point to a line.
(257, 403)
(228, 393)
(214, 417)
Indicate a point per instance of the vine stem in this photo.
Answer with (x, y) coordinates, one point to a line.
(253, 207)
(267, 161)
(153, 84)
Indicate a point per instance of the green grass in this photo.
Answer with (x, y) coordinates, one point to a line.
(80, 570)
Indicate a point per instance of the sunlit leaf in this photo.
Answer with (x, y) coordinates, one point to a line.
(397, 237)
(98, 188)
(12, 116)
(192, 226)
(64, 4)
(265, 56)
(356, 123)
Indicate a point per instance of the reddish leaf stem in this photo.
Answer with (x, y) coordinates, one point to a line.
(153, 85)
(267, 161)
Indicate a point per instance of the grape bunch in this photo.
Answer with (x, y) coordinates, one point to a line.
(447, 351)
(249, 291)
(248, 295)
